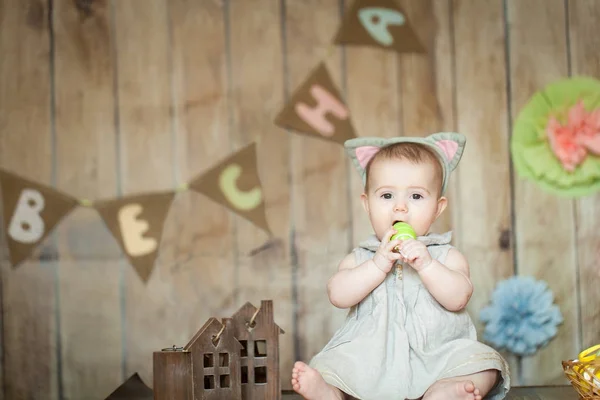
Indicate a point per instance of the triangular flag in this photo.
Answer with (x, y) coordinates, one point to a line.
(378, 23)
(31, 210)
(137, 224)
(234, 183)
(317, 109)
(132, 389)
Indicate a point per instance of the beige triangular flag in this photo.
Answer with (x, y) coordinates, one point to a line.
(234, 183)
(316, 108)
(378, 23)
(31, 210)
(137, 224)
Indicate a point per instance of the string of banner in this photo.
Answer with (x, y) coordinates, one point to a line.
(32, 210)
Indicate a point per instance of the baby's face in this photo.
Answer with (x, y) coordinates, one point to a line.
(402, 191)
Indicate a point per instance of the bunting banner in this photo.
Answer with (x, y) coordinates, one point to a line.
(378, 23)
(234, 183)
(137, 223)
(317, 109)
(31, 210)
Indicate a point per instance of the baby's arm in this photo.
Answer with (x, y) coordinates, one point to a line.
(352, 283)
(449, 283)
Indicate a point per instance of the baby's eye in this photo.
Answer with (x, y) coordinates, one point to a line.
(416, 196)
(386, 196)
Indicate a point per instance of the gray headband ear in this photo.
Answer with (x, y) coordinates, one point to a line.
(448, 146)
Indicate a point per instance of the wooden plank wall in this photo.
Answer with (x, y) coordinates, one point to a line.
(544, 224)
(110, 98)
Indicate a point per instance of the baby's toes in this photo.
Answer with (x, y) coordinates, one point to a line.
(470, 387)
(299, 366)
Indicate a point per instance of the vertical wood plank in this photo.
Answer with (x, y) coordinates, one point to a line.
(481, 112)
(90, 324)
(146, 162)
(264, 264)
(29, 335)
(585, 60)
(195, 270)
(89, 271)
(374, 102)
(544, 224)
(426, 82)
(416, 99)
(320, 205)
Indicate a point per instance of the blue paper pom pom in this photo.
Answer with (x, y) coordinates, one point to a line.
(521, 317)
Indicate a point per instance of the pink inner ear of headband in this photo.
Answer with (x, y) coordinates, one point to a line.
(364, 154)
(449, 147)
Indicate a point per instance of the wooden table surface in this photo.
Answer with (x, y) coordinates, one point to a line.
(516, 393)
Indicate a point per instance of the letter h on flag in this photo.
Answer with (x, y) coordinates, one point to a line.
(316, 109)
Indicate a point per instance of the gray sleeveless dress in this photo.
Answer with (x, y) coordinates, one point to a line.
(399, 340)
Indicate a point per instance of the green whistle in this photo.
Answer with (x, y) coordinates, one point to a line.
(403, 231)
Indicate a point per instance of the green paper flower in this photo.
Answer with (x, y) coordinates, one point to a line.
(556, 138)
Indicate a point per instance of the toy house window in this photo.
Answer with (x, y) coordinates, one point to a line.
(209, 360)
(260, 348)
(224, 381)
(244, 375)
(260, 375)
(223, 359)
(209, 381)
(244, 350)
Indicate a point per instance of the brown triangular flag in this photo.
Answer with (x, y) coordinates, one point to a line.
(317, 109)
(234, 183)
(137, 224)
(132, 389)
(378, 23)
(31, 210)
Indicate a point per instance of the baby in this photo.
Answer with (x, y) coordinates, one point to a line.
(407, 334)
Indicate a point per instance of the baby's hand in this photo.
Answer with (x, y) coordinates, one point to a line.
(385, 257)
(415, 253)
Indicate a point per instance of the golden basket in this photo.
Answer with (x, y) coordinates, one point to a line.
(584, 373)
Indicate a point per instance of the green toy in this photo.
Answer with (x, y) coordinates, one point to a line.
(403, 231)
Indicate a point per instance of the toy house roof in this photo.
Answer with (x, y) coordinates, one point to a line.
(210, 329)
(264, 316)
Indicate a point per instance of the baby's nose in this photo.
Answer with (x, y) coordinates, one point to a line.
(401, 206)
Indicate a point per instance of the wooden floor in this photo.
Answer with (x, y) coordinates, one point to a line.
(517, 393)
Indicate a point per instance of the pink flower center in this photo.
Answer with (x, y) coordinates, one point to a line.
(581, 134)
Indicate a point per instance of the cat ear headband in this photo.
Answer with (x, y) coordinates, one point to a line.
(448, 146)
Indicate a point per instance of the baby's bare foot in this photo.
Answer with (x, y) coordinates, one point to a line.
(309, 383)
(452, 390)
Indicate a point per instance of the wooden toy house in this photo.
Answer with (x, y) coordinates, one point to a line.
(258, 334)
(207, 368)
(215, 361)
(235, 359)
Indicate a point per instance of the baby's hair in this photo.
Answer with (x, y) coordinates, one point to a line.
(414, 152)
